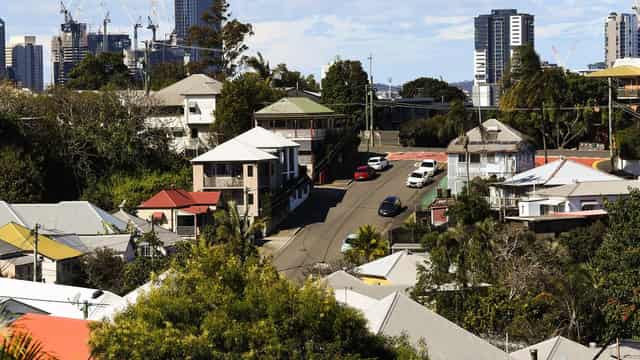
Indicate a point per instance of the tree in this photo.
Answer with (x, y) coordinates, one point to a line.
(218, 306)
(239, 100)
(219, 31)
(283, 77)
(19, 345)
(21, 180)
(367, 246)
(434, 88)
(343, 88)
(236, 231)
(97, 72)
(471, 206)
(423, 132)
(260, 65)
(165, 74)
(103, 269)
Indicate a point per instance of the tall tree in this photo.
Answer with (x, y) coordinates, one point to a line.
(260, 65)
(222, 32)
(165, 74)
(434, 88)
(343, 88)
(107, 70)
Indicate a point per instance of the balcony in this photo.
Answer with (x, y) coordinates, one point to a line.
(498, 203)
(301, 133)
(223, 182)
(631, 92)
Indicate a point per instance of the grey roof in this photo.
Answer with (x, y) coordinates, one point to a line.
(294, 106)
(492, 136)
(559, 172)
(67, 217)
(557, 348)
(593, 188)
(7, 249)
(234, 150)
(167, 237)
(119, 243)
(341, 280)
(397, 314)
(12, 307)
(196, 84)
(400, 268)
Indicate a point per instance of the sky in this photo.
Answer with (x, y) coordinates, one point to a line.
(407, 38)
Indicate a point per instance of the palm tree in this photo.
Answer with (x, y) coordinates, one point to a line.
(20, 345)
(236, 230)
(260, 65)
(367, 246)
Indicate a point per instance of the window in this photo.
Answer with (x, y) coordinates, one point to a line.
(491, 158)
(474, 158)
(193, 108)
(291, 160)
(462, 158)
(194, 133)
(250, 199)
(250, 171)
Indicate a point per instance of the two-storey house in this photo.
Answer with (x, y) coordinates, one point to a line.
(492, 149)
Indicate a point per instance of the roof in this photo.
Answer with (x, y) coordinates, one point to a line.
(400, 268)
(196, 84)
(234, 150)
(341, 281)
(397, 314)
(8, 249)
(119, 243)
(68, 217)
(178, 198)
(559, 172)
(22, 238)
(167, 237)
(593, 188)
(62, 338)
(57, 300)
(262, 138)
(557, 348)
(617, 72)
(131, 298)
(492, 136)
(295, 106)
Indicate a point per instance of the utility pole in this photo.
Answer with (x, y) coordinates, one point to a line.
(35, 253)
(611, 122)
(366, 116)
(371, 101)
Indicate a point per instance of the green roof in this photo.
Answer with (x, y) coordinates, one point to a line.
(295, 105)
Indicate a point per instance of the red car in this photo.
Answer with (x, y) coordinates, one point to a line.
(364, 173)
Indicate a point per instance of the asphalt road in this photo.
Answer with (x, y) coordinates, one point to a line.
(331, 214)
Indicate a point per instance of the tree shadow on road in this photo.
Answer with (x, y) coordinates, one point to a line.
(315, 209)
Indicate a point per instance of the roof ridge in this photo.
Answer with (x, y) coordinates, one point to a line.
(387, 315)
(555, 172)
(13, 212)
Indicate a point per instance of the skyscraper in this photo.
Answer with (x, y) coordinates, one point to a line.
(189, 13)
(26, 64)
(497, 35)
(68, 48)
(3, 65)
(620, 37)
(117, 43)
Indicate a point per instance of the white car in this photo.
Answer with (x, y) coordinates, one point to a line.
(378, 163)
(346, 244)
(418, 178)
(429, 165)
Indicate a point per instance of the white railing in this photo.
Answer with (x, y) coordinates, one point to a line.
(503, 203)
(301, 133)
(223, 182)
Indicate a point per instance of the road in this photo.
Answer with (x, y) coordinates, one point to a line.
(332, 214)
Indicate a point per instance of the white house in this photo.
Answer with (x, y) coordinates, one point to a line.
(186, 108)
(493, 149)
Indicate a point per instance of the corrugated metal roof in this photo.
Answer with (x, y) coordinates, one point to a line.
(22, 238)
(559, 172)
(400, 268)
(234, 150)
(178, 198)
(593, 188)
(492, 136)
(617, 72)
(64, 338)
(167, 237)
(557, 348)
(295, 105)
(196, 84)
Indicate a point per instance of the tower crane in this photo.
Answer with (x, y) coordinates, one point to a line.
(153, 27)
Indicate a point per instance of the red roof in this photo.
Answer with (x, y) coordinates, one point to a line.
(63, 338)
(177, 198)
(196, 209)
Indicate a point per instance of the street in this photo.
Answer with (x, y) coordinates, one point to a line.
(331, 214)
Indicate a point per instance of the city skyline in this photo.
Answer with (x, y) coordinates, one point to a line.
(407, 42)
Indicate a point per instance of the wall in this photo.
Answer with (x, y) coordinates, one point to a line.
(167, 222)
(251, 184)
(629, 166)
(198, 177)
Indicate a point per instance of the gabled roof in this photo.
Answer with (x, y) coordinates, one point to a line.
(22, 238)
(397, 314)
(196, 84)
(593, 188)
(59, 337)
(178, 198)
(557, 348)
(492, 136)
(559, 172)
(66, 217)
(400, 268)
(262, 138)
(623, 71)
(168, 238)
(232, 151)
(57, 300)
(119, 243)
(341, 281)
(295, 105)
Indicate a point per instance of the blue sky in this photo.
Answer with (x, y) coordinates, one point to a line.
(408, 38)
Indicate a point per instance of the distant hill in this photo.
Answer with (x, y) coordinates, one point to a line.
(464, 85)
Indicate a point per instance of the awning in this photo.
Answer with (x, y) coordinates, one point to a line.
(552, 202)
(157, 216)
(196, 210)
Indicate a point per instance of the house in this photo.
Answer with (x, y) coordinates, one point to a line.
(60, 337)
(138, 226)
(400, 269)
(397, 314)
(12, 308)
(58, 300)
(493, 149)
(186, 109)
(506, 194)
(185, 213)
(341, 281)
(257, 170)
(557, 348)
(304, 121)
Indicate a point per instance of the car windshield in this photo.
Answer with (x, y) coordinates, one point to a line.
(427, 164)
(374, 161)
(416, 175)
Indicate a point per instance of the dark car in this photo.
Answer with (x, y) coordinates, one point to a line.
(391, 206)
(364, 173)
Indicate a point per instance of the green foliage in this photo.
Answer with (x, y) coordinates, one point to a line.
(367, 246)
(423, 132)
(434, 88)
(217, 307)
(103, 269)
(19, 345)
(343, 88)
(21, 180)
(628, 141)
(283, 77)
(239, 100)
(165, 74)
(107, 70)
(471, 206)
(235, 230)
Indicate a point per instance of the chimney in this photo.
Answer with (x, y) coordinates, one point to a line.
(534, 354)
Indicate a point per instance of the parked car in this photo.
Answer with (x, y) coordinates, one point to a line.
(431, 166)
(364, 172)
(391, 206)
(347, 243)
(378, 163)
(418, 178)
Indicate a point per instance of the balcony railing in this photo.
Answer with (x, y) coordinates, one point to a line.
(497, 203)
(301, 133)
(223, 182)
(186, 231)
(628, 93)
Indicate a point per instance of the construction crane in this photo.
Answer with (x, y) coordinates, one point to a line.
(153, 27)
(67, 14)
(105, 35)
(563, 61)
(636, 7)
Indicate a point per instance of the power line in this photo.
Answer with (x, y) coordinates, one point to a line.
(57, 301)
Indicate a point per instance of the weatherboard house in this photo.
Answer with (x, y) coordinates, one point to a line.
(492, 149)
